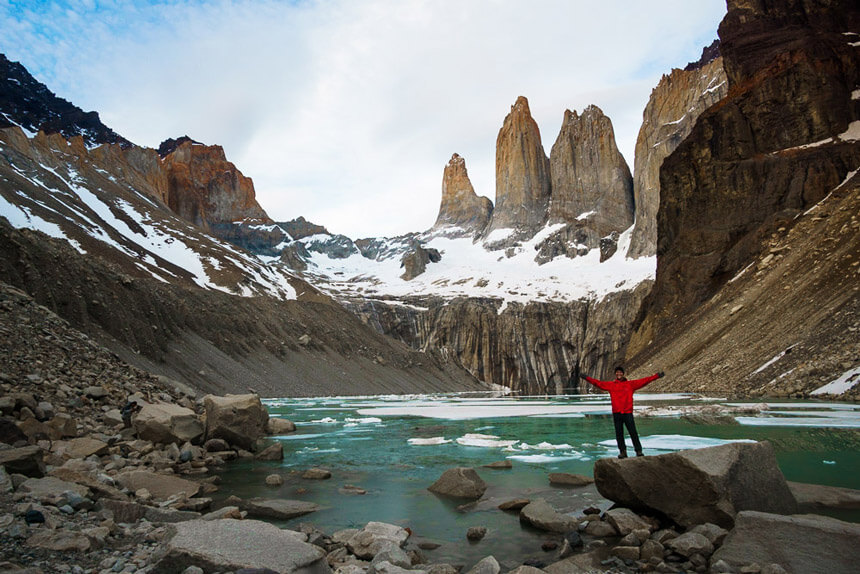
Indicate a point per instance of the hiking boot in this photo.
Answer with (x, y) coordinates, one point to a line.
(640, 453)
(622, 455)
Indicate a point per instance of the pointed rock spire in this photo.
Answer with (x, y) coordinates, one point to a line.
(522, 172)
(589, 174)
(460, 206)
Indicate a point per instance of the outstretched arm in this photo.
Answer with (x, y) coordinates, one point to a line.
(639, 383)
(593, 381)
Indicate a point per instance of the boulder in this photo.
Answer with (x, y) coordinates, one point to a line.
(167, 423)
(277, 426)
(460, 482)
(516, 504)
(277, 508)
(540, 514)
(239, 419)
(488, 565)
(26, 460)
(567, 479)
(712, 532)
(800, 543)
(698, 486)
(815, 497)
(80, 447)
(690, 543)
(230, 545)
(50, 488)
(316, 474)
(64, 425)
(124, 512)
(476, 533)
(9, 432)
(271, 452)
(99, 489)
(376, 537)
(626, 521)
(161, 486)
(60, 540)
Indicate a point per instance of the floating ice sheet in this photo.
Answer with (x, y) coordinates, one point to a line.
(674, 442)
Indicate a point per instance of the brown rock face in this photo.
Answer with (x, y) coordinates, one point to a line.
(522, 172)
(461, 207)
(204, 188)
(675, 104)
(589, 174)
(749, 166)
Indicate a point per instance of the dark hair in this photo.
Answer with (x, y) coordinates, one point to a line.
(619, 369)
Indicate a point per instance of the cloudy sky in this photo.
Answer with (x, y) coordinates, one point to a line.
(347, 111)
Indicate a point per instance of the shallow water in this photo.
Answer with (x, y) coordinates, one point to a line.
(395, 447)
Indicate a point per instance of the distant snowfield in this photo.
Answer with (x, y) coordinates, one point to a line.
(468, 269)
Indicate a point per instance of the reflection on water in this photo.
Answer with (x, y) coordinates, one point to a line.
(395, 447)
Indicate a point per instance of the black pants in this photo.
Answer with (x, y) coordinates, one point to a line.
(621, 420)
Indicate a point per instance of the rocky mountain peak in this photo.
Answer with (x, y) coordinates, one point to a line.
(169, 145)
(206, 189)
(589, 174)
(26, 102)
(709, 54)
(522, 173)
(461, 207)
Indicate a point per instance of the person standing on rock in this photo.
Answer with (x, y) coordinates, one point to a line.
(621, 394)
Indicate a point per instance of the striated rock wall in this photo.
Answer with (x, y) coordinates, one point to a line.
(204, 188)
(783, 138)
(460, 206)
(522, 173)
(536, 348)
(675, 104)
(589, 174)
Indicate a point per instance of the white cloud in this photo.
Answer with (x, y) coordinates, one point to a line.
(346, 112)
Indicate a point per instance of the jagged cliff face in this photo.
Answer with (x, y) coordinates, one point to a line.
(522, 173)
(205, 189)
(589, 174)
(757, 166)
(672, 111)
(461, 207)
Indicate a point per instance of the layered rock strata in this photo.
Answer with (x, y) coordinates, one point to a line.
(675, 104)
(522, 173)
(773, 144)
(461, 207)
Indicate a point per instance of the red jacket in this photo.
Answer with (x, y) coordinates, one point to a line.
(621, 391)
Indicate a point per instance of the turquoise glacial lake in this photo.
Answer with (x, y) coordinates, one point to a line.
(394, 447)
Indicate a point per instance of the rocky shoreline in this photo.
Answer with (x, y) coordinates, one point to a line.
(81, 492)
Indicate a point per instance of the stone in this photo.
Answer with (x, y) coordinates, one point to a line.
(61, 540)
(476, 533)
(26, 460)
(712, 532)
(460, 482)
(697, 486)
(376, 537)
(10, 433)
(50, 489)
(164, 423)
(690, 543)
(567, 479)
(279, 426)
(651, 549)
(274, 480)
(229, 545)
(125, 512)
(488, 565)
(414, 262)
(600, 529)
(239, 419)
(800, 543)
(541, 515)
(514, 505)
(816, 497)
(625, 520)
(395, 556)
(161, 486)
(64, 425)
(80, 447)
(526, 570)
(316, 474)
(216, 445)
(460, 207)
(625, 552)
(95, 392)
(278, 508)
(271, 452)
(499, 465)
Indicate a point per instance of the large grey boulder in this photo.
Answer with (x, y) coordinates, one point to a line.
(816, 497)
(161, 486)
(49, 489)
(541, 515)
(167, 423)
(460, 482)
(697, 486)
(239, 419)
(80, 447)
(488, 565)
(229, 545)
(800, 543)
(132, 512)
(376, 537)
